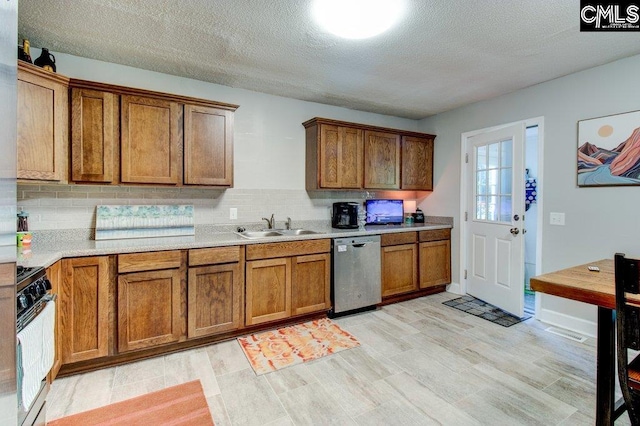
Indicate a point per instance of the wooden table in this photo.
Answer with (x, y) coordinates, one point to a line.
(595, 288)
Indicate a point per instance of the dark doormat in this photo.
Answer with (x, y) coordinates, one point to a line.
(479, 308)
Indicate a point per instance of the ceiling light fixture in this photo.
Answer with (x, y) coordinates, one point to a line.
(357, 19)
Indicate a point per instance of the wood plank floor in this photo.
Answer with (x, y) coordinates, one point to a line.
(420, 363)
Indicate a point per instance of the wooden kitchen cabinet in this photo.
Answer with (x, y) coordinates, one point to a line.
(215, 291)
(43, 124)
(381, 160)
(95, 136)
(286, 279)
(208, 146)
(334, 157)
(150, 140)
(149, 299)
(343, 155)
(399, 258)
(84, 308)
(54, 275)
(311, 283)
(435, 257)
(417, 163)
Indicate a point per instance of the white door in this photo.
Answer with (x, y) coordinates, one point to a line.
(495, 206)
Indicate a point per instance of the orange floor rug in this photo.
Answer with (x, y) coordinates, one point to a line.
(284, 347)
(183, 405)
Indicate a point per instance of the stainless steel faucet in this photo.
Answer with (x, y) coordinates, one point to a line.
(270, 222)
(288, 223)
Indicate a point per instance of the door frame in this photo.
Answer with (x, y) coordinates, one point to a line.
(464, 141)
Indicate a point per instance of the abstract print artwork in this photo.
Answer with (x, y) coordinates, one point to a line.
(609, 150)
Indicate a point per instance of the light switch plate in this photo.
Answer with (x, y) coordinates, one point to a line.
(556, 219)
(233, 213)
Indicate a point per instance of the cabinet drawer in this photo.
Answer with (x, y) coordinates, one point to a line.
(285, 249)
(213, 256)
(397, 239)
(137, 262)
(435, 235)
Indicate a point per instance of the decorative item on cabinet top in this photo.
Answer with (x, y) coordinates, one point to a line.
(143, 221)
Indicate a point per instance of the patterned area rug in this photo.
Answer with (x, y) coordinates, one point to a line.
(482, 309)
(272, 350)
(183, 405)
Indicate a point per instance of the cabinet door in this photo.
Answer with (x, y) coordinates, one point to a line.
(43, 126)
(340, 157)
(311, 283)
(54, 276)
(148, 309)
(151, 139)
(435, 263)
(215, 299)
(417, 163)
(399, 269)
(208, 146)
(84, 308)
(381, 160)
(94, 136)
(268, 290)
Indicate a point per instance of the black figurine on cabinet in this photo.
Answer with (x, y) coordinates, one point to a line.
(46, 60)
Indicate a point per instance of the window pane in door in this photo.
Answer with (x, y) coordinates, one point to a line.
(505, 181)
(481, 208)
(505, 208)
(492, 208)
(493, 182)
(481, 158)
(481, 182)
(506, 154)
(494, 159)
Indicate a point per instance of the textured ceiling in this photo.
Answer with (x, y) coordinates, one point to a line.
(442, 55)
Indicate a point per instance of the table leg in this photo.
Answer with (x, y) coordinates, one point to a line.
(605, 367)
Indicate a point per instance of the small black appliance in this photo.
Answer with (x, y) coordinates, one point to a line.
(345, 215)
(418, 216)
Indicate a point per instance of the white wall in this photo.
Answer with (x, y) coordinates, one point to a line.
(599, 221)
(269, 156)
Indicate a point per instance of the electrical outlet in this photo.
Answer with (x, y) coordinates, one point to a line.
(233, 213)
(556, 219)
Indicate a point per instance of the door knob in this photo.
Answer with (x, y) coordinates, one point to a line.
(514, 231)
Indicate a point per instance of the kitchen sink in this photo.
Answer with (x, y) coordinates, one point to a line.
(275, 233)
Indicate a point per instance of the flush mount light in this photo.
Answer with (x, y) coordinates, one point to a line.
(357, 19)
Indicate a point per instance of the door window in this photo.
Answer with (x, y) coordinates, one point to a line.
(493, 181)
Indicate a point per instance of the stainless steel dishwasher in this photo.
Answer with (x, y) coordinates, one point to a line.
(356, 281)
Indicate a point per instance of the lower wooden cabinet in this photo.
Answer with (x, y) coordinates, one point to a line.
(311, 286)
(268, 290)
(149, 302)
(55, 278)
(215, 291)
(435, 257)
(399, 269)
(287, 279)
(399, 259)
(84, 308)
(435, 263)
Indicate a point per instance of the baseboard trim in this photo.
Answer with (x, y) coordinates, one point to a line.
(455, 288)
(579, 325)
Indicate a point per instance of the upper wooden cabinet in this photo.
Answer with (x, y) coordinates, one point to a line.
(208, 146)
(417, 163)
(133, 136)
(150, 140)
(334, 157)
(381, 160)
(43, 124)
(342, 155)
(94, 136)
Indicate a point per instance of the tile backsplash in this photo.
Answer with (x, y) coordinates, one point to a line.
(53, 207)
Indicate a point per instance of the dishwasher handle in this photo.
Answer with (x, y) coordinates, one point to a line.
(359, 245)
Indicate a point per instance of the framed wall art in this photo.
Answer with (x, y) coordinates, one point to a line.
(609, 150)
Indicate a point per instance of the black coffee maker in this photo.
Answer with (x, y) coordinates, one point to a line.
(345, 215)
